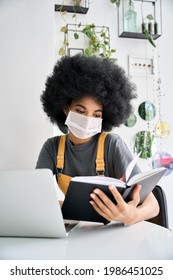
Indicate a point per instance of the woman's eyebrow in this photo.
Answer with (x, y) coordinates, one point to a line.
(79, 105)
(83, 107)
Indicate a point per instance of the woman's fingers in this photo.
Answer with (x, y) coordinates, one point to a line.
(101, 200)
(118, 210)
(102, 204)
(118, 197)
(103, 212)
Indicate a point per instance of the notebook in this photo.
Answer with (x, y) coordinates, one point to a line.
(29, 205)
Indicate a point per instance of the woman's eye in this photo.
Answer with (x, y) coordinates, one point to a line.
(97, 116)
(80, 111)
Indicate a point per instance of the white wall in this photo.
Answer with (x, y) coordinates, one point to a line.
(102, 12)
(26, 59)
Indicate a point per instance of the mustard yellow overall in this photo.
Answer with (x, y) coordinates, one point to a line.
(64, 180)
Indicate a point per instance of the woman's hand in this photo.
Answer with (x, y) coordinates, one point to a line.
(122, 211)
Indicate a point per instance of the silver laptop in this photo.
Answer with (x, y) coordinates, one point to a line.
(29, 205)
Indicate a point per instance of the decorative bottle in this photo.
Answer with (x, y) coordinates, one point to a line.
(130, 18)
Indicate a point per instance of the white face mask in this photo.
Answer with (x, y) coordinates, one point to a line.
(82, 126)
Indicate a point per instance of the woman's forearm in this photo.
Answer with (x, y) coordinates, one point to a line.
(148, 209)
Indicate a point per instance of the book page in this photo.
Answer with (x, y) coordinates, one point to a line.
(99, 180)
(130, 167)
(144, 175)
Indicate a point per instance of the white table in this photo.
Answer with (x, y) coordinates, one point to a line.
(143, 240)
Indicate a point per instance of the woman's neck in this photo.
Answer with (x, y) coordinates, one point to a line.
(76, 141)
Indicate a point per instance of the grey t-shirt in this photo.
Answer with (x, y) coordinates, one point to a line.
(80, 160)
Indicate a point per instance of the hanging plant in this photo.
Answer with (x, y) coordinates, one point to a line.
(147, 32)
(77, 2)
(118, 2)
(98, 41)
(98, 44)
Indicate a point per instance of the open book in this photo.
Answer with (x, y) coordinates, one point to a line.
(76, 205)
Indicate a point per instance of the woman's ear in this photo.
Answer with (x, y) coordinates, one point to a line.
(66, 110)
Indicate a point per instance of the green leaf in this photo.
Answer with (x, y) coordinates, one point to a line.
(65, 43)
(76, 36)
(102, 34)
(88, 33)
(77, 3)
(61, 51)
(117, 2)
(63, 29)
(87, 52)
(149, 37)
(150, 17)
(63, 13)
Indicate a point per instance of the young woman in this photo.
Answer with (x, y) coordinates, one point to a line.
(86, 97)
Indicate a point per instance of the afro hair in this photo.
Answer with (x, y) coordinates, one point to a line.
(78, 76)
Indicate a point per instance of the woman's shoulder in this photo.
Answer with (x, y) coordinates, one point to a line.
(52, 143)
(113, 138)
(53, 140)
(114, 141)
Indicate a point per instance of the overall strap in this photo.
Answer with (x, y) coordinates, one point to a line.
(100, 164)
(60, 154)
